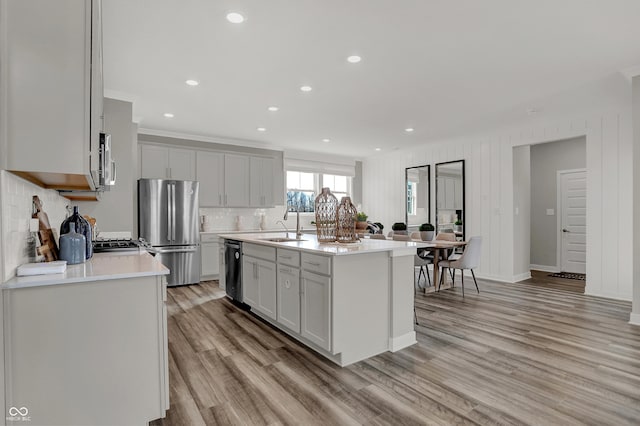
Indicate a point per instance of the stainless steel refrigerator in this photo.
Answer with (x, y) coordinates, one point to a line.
(168, 221)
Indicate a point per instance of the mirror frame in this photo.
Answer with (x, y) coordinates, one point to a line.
(406, 181)
(464, 196)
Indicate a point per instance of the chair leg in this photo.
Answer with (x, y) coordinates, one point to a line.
(452, 274)
(474, 281)
(428, 276)
(441, 278)
(463, 287)
(420, 274)
(415, 315)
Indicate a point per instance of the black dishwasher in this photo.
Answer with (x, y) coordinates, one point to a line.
(233, 269)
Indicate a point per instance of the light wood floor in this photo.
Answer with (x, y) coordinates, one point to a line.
(514, 354)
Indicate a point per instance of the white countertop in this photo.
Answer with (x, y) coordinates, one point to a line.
(309, 243)
(102, 266)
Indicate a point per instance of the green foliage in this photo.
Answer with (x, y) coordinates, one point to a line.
(361, 217)
(399, 226)
(458, 223)
(426, 227)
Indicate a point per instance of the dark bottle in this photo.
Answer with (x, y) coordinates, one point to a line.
(82, 227)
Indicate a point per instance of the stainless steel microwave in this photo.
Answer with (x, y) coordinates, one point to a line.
(106, 164)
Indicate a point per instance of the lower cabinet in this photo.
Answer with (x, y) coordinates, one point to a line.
(316, 309)
(259, 285)
(289, 298)
(210, 262)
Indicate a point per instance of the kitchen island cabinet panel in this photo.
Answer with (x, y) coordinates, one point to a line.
(259, 285)
(288, 294)
(88, 352)
(316, 309)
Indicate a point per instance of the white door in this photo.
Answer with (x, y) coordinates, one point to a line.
(573, 220)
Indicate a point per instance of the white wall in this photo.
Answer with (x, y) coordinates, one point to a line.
(635, 316)
(116, 210)
(521, 211)
(601, 112)
(546, 160)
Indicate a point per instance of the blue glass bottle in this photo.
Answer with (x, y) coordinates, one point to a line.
(73, 246)
(82, 227)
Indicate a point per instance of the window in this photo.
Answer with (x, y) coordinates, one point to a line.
(302, 188)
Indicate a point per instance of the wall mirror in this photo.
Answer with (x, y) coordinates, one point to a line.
(417, 196)
(450, 198)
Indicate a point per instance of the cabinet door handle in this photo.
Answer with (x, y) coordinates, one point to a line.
(225, 199)
(285, 270)
(313, 263)
(286, 257)
(220, 199)
(302, 282)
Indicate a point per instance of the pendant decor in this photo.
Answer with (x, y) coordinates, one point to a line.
(347, 221)
(326, 207)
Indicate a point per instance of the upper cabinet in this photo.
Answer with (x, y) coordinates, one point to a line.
(160, 162)
(261, 177)
(54, 91)
(210, 174)
(236, 180)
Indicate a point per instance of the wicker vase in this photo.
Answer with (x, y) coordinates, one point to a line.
(326, 207)
(347, 221)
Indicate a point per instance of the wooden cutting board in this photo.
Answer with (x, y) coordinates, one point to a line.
(48, 246)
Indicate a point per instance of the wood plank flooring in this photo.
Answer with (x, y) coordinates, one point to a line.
(542, 279)
(514, 354)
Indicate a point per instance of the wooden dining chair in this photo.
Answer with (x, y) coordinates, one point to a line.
(470, 259)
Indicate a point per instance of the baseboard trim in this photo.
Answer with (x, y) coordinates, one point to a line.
(634, 319)
(522, 277)
(401, 342)
(589, 292)
(545, 268)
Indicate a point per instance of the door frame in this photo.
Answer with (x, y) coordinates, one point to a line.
(559, 175)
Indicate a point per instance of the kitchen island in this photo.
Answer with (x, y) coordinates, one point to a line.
(347, 301)
(88, 346)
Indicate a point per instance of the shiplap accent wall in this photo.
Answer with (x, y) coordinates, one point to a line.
(490, 201)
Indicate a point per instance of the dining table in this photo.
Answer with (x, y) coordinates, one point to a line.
(436, 246)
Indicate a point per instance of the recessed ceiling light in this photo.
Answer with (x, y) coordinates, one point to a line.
(326, 140)
(409, 129)
(378, 149)
(168, 115)
(192, 82)
(306, 88)
(261, 129)
(273, 108)
(354, 59)
(235, 17)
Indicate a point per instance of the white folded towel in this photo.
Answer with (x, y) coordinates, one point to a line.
(43, 268)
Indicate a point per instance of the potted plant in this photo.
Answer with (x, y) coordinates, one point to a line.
(399, 228)
(426, 231)
(457, 226)
(361, 220)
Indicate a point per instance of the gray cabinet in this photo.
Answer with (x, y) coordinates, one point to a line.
(210, 174)
(236, 180)
(288, 290)
(262, 176)
(316, 309)
(160, 162)
(54, 90)
(259, 284)
(210, 257)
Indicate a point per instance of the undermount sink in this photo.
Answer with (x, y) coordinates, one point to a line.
(281, 239)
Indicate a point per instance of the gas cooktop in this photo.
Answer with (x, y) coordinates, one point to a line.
(102, 245)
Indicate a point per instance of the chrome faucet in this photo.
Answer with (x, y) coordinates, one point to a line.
(286, 216)
(284, 226)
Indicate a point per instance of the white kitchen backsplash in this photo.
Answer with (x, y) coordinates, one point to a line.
(226, 219)
(17, 197)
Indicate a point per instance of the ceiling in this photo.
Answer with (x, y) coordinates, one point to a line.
(437, 66)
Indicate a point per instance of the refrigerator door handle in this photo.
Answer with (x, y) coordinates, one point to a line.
(169, 204)
(173, 213)
(163, 250)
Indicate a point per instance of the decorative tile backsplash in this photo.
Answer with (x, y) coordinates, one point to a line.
(226, 219)
(17, 195)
